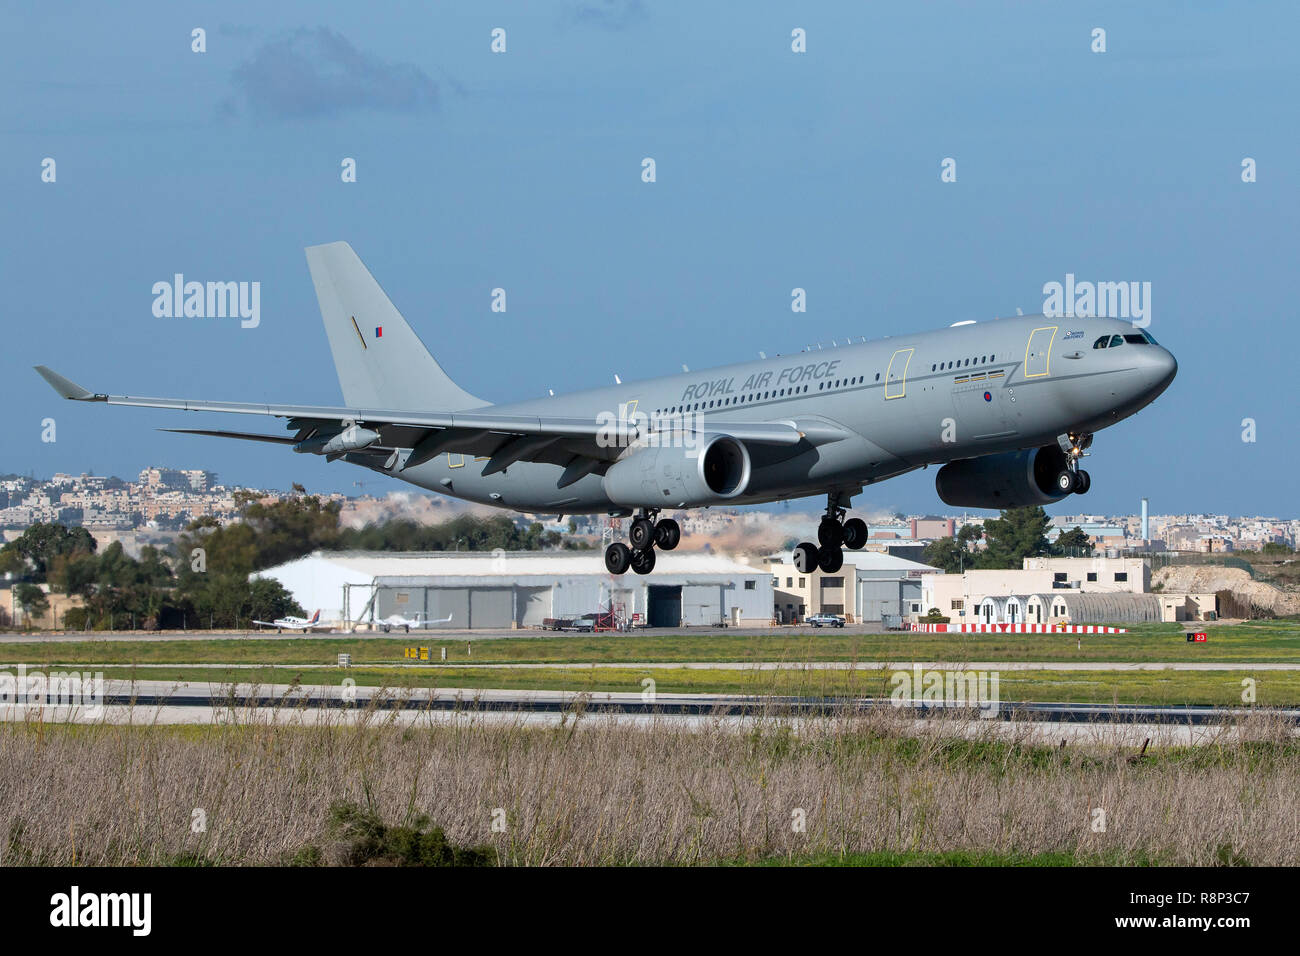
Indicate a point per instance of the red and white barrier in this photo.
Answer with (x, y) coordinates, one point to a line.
(1017, 629)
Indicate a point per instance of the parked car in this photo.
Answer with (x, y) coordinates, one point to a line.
(825, 620)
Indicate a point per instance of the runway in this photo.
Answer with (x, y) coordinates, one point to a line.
(1060, 666)
(425, 635)
(161, 702)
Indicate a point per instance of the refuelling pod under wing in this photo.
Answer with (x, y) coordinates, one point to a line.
(1010, 480)
(715, 469)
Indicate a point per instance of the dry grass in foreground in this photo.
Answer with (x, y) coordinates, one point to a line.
(602, 793)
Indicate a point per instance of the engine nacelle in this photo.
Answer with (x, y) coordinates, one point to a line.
(715, 470)
(1010, 480)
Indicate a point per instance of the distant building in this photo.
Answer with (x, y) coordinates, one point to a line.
(1061, 590)
(520, 589)
(871, 584)
(933, 526)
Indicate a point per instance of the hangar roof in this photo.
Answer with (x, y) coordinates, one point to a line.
(546, 564)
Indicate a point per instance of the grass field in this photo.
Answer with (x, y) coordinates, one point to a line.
(1276, 642)
(856, 791)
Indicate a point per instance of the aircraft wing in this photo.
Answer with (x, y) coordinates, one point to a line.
(579, 443)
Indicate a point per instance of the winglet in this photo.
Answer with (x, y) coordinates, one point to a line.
(66, 388)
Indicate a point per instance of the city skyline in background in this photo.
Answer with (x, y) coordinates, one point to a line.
(522, 171)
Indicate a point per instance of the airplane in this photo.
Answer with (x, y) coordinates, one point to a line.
(397, 620)
(1007, 408)
(292, 623)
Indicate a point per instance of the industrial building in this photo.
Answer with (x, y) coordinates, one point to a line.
(1061, 590)
(1069, 607)
(869, 586)
(519, 589)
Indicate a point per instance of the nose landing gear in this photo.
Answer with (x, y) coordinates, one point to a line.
(1072, 479)
(645, 535)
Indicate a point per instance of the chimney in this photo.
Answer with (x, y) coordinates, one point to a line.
(1146, 522)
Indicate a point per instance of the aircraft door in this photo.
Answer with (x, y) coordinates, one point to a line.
(896, 376)
(1038, 352)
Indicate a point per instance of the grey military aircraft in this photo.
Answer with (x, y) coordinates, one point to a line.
(1007, 407)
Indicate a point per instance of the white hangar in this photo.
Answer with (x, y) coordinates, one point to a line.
(519, 589)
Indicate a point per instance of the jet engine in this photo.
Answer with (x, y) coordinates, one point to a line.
(1010, 480)
(716, 468)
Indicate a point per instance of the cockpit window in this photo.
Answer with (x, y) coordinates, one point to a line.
(1116, 340)
(1101, 342)
(1137, 339)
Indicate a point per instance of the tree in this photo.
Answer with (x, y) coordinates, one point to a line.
(32, 599)
(1074, 543)
(954, 555)
(944, 553)
(968, 535)
(41, 543)
(1015, 535)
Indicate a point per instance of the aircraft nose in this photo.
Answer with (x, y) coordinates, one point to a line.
(1161, 367)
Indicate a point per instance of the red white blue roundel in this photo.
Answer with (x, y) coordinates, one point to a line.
(988, 396)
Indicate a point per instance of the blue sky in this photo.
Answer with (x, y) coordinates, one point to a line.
(522, 170)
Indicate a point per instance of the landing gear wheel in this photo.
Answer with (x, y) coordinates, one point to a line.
(830, 533)
(1085, 482)
(1065, 481)
(805, 558)
(855, 534)
(829, 559)
(667, 534)
(642, 534)
(408, 628)
(618, 557)
(643, 562)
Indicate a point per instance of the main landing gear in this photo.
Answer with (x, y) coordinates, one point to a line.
(645, 535)
(1072, 479)
(833, 535)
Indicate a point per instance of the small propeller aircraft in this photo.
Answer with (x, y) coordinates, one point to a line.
(397, 620)
(291, 623)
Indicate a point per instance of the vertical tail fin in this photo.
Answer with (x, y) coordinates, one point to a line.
(380, 360)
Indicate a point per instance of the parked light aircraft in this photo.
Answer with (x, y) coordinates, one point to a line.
(397, 620)
(292, 623)
(1007, 407)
